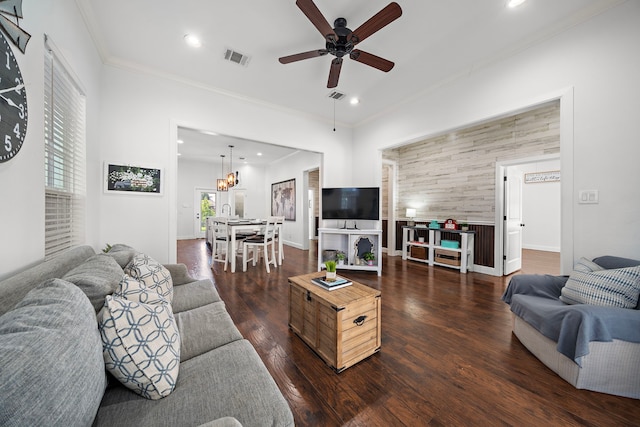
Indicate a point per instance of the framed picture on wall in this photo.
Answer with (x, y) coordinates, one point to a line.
(130, 179)
(283, 199)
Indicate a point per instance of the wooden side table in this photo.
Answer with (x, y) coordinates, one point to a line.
(342, 326)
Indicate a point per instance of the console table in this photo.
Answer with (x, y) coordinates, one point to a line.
(433, 247)
(344, 240)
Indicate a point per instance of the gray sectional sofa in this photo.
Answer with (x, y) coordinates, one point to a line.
(53, 372)
(592, 346)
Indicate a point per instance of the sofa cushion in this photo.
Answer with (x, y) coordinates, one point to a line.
(16, 287)
(123, 254)
(134, 290)
(97, 277)
(608, 262)
(141, 345)
(205, 328)
(614, 288)
(54, 329)
(193, 295)
(149, 271)
(586, 266)
(229, 381)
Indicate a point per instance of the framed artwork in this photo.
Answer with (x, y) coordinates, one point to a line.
(537, 177)
(130, 179)
(283, 199)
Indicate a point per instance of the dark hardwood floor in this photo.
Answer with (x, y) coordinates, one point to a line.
(448, 356)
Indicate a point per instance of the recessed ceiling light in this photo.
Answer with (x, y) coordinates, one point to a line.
(179, 154)
(515, 3)
(354, 101)
(259, 154)
(180, 141)
(192, 40)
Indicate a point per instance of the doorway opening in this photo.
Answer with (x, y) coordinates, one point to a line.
(528, 213)
(204, 206)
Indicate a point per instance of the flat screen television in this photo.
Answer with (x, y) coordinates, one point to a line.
(351, 203)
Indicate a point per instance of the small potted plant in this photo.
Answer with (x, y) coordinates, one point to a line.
(369, 257)
(331, 270)
(340, 256)
(464, 226)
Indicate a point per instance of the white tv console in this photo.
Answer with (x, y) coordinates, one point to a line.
(344, 240)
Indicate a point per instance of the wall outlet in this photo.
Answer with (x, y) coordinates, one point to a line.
(588, 196)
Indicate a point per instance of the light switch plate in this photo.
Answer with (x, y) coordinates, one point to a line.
(588, 196)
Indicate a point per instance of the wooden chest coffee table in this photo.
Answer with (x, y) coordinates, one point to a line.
(342, 326)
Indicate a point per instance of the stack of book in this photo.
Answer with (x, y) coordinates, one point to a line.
(338, 283)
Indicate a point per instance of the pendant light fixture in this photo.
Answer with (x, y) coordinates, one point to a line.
(231, 178)
(222, 182)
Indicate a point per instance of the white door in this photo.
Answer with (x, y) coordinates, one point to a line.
(204, 206)
(512, 220)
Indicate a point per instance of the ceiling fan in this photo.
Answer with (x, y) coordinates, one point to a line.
(341, 41)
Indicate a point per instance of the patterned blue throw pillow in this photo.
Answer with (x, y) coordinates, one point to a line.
(615, 288)
(134, 290)
(141, 345)
(153, 274)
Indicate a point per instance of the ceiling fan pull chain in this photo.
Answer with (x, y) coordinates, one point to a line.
(334, 115)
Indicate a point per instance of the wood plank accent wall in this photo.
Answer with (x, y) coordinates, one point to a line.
(384, 190)
(483, 241)
(314, 184)
(453, 175)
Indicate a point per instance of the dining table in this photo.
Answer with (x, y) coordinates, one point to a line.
(240, 226)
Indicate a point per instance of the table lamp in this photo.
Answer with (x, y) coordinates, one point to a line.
(411, 213)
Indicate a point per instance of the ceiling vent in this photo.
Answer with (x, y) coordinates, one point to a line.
(236, 57)
(336, 95)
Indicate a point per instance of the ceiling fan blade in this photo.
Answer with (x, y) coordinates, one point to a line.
(372, 60)
(309, 8)
(378, 21)
(303, 55)
(334, 73)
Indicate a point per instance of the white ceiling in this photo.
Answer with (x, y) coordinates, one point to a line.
(432, 43)
(207, 146)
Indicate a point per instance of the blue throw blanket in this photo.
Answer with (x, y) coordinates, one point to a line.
(535, 299)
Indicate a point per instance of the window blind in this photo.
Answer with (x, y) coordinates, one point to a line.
(65, 159)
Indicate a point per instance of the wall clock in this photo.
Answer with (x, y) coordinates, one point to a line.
(13, 103)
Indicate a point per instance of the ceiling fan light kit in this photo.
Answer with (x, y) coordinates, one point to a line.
(341, 41)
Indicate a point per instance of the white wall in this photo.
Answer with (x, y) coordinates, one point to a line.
(293, 167)
(22, 178)
(140, 115)
(541, 210)
(191, 175)
(197, 174)
(598, 62)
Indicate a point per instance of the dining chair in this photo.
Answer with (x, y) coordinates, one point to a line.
(262, 240)
(209, 232)
(220, 240)
(279, 223)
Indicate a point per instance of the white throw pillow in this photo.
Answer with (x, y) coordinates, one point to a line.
(141, 345)
(153, 274)
(616, 288)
